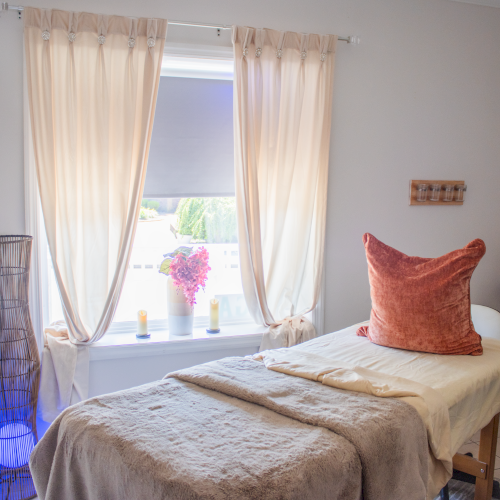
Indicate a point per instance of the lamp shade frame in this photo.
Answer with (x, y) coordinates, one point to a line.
(19, 370)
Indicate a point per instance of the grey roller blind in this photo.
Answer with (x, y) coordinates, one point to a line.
(191, 153)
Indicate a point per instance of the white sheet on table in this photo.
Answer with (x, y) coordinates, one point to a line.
(470, 385)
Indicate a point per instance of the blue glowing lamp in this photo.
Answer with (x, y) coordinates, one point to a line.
(19, 370)
(16, 444)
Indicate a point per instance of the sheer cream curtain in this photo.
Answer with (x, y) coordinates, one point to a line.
(283, 87)
(92, 83)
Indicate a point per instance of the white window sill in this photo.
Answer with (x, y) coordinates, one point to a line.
(124, 344)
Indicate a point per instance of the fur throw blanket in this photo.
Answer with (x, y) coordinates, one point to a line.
(231, 429)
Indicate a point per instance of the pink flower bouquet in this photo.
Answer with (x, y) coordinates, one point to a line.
(188, 270)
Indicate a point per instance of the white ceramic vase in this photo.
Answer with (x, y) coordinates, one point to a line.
(180, 313)
(184, 239)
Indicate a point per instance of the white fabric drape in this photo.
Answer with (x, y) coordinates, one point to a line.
(283, 85)
(65, 372)
(92, 86)
(32, 218)
(287, 333)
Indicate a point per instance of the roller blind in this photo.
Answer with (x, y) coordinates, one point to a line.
(191, 152)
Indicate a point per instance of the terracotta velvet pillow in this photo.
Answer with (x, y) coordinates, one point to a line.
(422, 304)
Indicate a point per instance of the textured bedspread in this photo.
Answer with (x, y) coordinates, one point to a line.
(232, 429)
(429, 404)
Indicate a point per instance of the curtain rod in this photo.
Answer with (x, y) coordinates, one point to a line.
(349, 39)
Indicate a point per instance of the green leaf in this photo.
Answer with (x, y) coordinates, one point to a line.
(165, 266)
(186, 251)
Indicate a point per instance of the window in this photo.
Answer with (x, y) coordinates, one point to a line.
(188, 194)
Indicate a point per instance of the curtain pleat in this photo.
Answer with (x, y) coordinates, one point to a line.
(92, 87)
(92, 102)
(283, 87)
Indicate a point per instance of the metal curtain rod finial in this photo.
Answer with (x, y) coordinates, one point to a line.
(6, 6)
(353, 39)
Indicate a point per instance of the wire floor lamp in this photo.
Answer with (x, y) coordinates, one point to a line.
(19, 370)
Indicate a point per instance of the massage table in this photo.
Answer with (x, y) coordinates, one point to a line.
(469, 384)
(487, 321)
(468, 387)
(481, 468)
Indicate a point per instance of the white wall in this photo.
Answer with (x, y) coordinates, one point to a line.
(110, 375)
(419, 98)
(11, 125)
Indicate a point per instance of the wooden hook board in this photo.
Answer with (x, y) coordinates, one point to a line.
(413, 193)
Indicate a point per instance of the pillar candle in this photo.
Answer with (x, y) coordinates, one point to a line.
(142, 323)
(214, 314)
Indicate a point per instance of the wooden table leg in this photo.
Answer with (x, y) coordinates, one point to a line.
(445, 493)
(487, 452)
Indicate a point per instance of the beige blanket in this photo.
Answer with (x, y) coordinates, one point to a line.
(232, 429)
(335, 373)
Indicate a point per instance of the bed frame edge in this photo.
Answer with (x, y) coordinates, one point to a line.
(484, 467)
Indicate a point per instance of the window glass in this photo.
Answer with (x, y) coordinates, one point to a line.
(168, 223)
